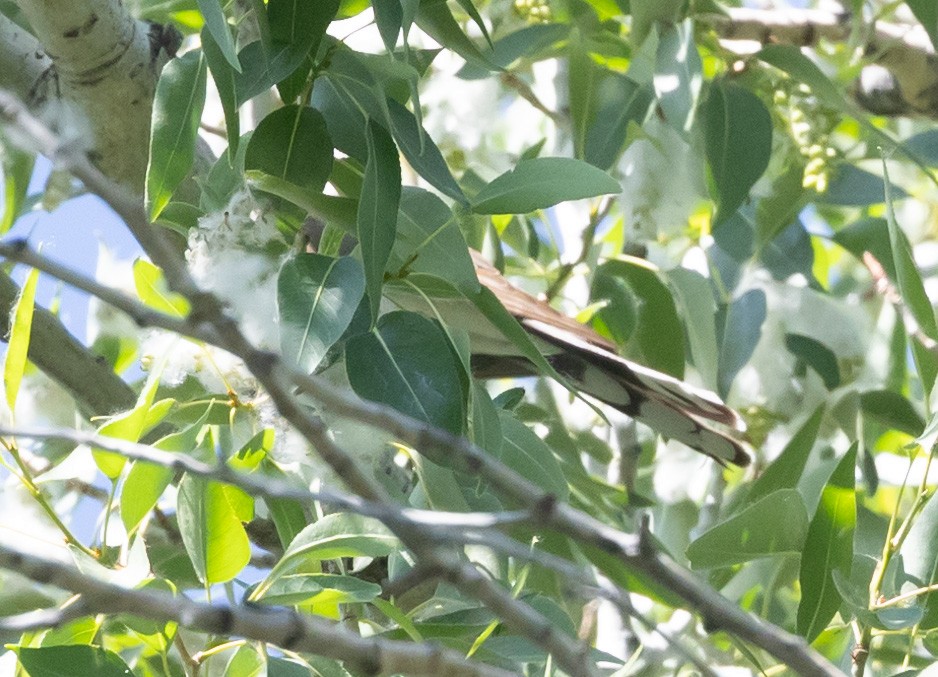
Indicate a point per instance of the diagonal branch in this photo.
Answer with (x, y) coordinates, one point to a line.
(906, 52)
(285, 628)
(280, 380)
(95, 387)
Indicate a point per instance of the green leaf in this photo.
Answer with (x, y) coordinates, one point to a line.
(529, 41)
(786, 470)
(70, 660)
(216, 25)
(429, 240)
(292, 143)
(421, 152)
(657, 337)
(742, 328)
(817, 356)
(145, 482)
(920, 559)
(926, 12)
(334, 536)
(790, 59)
(892, 410)
(828, 548)
(224, 77)
(316, 297)
(678, 75)
(377, 210)
(154, 292)
(211, 517)
(389, 16)
(296, 31)
(246, 662)
(14, 364)
(618, 102)
(334, 210)
(527, 454)
(776, 524)
(406, 363)
(17, 170)
(908, 279)
(486, 427)
(177, 110)
(693, 294)
(128, 426)
(540, 183)
(292, 589)
(738, 141)
(436, 20)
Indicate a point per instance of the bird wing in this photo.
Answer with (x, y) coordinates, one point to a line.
(590, 361)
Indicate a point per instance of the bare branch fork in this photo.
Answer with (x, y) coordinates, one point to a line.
(279, 381)
(288, 629)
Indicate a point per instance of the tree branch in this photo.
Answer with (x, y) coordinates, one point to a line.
(23, 62)
(95, 387)
(284, 628)
(104, 67)
(905, 51)
(279, 380)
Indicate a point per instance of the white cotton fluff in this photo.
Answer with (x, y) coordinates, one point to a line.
(230, 255)
(661, 183)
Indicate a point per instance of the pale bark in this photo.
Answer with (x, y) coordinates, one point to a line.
(102, 67)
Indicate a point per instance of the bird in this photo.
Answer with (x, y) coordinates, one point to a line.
(588, 361)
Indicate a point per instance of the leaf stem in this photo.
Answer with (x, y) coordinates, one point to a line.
(25, 476)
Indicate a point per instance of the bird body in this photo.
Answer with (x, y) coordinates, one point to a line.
(585, 358)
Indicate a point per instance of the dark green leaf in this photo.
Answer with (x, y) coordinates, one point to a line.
(693, 294)
(920, 557)
(334, 536)
(70, 660)
(817, 356)
(377, 209)
(540, 183)
(345, 121)
(828, 547)
(618, 102)
(406, 362)
(389, 15)
(775, 524)
(741, 332)
(738, 140)
(786, 470)
(850, 186)
(293, 144)
(223, 74)
(909, 280)
(292, 589)
(429, 240)
(316, 297)
(436, 20)
(216, 25)
(658, 336)
(925, 146)
(529, 456)
(177, 110)
(522, 43)
(336, 211)
(486, 426)
(678, 75)
(421, 152)
(892, 410)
